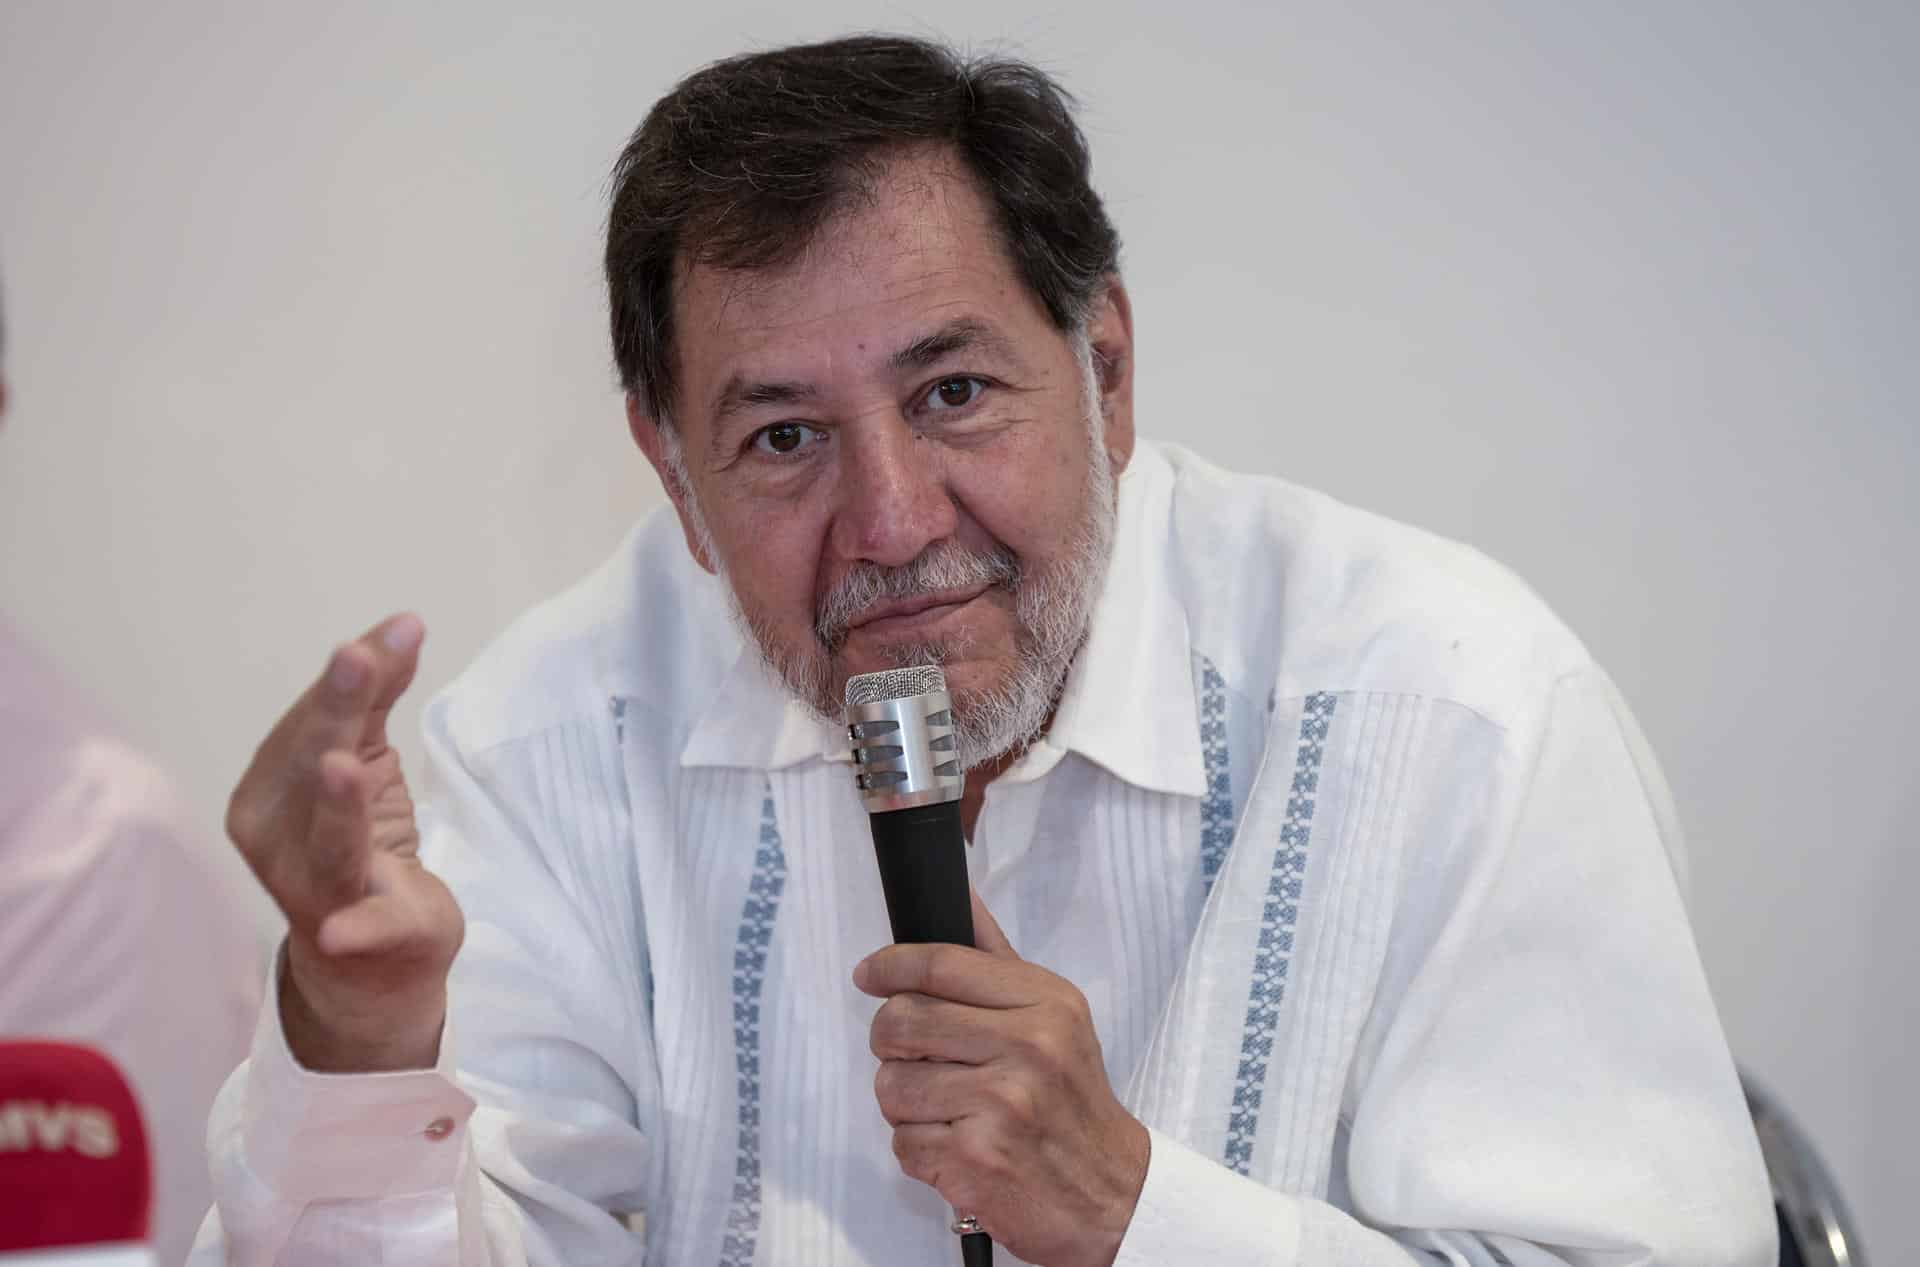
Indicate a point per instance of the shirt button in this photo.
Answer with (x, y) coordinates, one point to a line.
(439, 1128)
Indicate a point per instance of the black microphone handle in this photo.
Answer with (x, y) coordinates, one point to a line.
(923, 869)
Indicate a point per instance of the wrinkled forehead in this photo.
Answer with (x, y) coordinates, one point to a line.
(919, 247)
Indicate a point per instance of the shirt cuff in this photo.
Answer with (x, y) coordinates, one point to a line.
(318, 1136)
(1195, 1210)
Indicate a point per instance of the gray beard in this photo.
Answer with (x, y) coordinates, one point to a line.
(1053, 610)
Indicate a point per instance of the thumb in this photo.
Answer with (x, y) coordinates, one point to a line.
(406, 908)
(986, 930)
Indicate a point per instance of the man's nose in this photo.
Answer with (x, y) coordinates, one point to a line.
(893, 499)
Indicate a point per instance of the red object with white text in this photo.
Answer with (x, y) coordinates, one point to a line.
(76, 1182)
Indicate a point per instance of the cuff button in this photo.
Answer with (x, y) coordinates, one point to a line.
(439, 1128)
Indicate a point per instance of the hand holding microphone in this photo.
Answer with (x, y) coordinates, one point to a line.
(991, 1074)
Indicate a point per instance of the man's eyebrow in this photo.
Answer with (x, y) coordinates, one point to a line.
(962, 334)
(741, 393)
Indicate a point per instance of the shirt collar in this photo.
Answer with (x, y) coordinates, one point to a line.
(734, 729)
(1128, 705)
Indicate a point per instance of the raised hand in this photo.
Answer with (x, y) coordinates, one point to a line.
(324, 818)
(992, 1078)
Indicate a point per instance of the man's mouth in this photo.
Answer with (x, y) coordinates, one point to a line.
(906, 614)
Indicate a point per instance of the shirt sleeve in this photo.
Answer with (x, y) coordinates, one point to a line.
(523, 1145)
(1193, 1209)
(1547, 1082)
(327, 1168)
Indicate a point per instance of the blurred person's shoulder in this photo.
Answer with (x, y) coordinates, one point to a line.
(126, 923)
(648, 631)
(95, 834)
(1301, 593)
(60, 755)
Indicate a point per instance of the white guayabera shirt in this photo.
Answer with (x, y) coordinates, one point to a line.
(1365, 871)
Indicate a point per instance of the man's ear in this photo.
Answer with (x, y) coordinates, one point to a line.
(1110, 335)
(646, 432)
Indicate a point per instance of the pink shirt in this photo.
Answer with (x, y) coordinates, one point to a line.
(120, 925)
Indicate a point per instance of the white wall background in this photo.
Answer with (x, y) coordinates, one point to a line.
(304, 325)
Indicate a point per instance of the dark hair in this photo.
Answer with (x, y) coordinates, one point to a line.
(744, 161)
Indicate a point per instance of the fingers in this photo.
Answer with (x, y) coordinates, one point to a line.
(339, 832)
(978, 974)
(345, 708)
(917, 1027)
(362, 681)
(1052, 1036)
(309, 807)
(347, 705)
(921, 1091)
(921, 1148)
(402, 908)
(956, 1004)
(366, 990)
(961, 1161)
(959, 973)
(368, 926)
(986, 929)
(398, 640)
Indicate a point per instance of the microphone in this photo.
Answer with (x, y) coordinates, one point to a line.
(76, 1184)
(900, 723)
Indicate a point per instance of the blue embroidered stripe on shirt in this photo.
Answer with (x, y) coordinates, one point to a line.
(1276, 934)
(749, 975)
(1216, 806)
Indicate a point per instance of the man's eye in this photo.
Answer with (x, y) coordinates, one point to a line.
(954, 393)
(783, 437)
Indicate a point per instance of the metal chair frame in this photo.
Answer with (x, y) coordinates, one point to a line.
(1809, 1203)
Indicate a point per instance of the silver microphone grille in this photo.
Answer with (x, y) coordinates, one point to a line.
(871, 688)
(900, 727)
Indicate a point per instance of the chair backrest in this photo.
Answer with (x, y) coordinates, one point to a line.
(1815, 1228)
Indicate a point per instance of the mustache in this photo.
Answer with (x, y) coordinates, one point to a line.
(942, 566)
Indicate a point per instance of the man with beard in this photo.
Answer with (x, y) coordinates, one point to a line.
(1347, 923)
